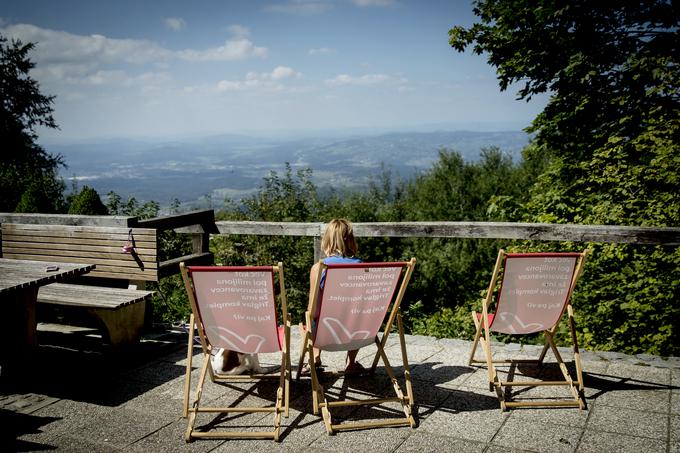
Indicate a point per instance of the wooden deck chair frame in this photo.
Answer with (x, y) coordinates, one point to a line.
(281, 406)
(484, 324)
(319, 400)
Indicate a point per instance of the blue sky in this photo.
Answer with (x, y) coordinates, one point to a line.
(178, 68)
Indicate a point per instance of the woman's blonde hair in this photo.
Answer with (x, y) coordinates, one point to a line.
(339, 239)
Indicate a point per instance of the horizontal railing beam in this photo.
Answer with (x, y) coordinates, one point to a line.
(203, 220)
(270, 228)
(469, 230)
(68, 219)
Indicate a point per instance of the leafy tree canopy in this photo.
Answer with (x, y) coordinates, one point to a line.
(608, 66)
(87, 202)
(611, 131)
(28, 175)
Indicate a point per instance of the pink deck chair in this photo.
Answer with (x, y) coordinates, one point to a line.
(356, 301)
(235, 308)
(532, 293)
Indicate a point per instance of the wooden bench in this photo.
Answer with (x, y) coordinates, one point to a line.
(119, 310)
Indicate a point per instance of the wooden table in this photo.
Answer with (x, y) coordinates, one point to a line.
(19, 284)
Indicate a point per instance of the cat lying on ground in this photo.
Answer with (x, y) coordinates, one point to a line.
(229, 362)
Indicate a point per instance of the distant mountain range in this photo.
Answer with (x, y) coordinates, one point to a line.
(199, 171)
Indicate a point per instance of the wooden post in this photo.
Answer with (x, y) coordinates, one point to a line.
(200, 242)
(317, 249)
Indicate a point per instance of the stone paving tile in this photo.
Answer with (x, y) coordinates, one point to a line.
(497, 449)
(675, 434)
(170, 439)
(440, 372)
(121, 427)
(472, 424)
(632, 405)
(653, 400)
(452, 355)
(573, 417)
(424, 442)
(674, 438)
(66, 416)
(628, 421)
(642, 375)
(537, 436)
(381, 440)
(73, 444)
(168, 398)
(598, 441)
(429, 398)
(478, 379)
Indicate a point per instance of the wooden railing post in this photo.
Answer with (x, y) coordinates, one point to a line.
(317, 249)
(200, 243)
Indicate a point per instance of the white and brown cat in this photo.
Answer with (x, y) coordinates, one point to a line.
(229, 362)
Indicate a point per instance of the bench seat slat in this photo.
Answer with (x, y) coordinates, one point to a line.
(90, 296)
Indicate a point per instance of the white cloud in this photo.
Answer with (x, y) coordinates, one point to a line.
(321, 51)
(235, 49)
(175, 23)
(105, 78)
(238, 31)
(265, 80)
(368, 79)
(300, 7)
(282, 72)
(365, 3)
(60, 47)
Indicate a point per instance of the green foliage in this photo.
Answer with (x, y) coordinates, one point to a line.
(87, 202)
(626, 300)
(116, 206)
(43, 194)
(29, 180)
(611, 135)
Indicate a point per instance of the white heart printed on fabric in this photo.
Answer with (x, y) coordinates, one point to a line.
(514, 319)
(237, 342)
(341, 334)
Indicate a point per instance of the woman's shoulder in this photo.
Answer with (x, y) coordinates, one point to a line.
(341, 259)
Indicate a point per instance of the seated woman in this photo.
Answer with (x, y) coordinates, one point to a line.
(339, 246)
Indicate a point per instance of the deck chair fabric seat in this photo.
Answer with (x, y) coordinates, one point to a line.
(234, 308)
(355, 302)
(530, 293)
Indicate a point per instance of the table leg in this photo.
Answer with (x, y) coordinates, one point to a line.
(19, 333)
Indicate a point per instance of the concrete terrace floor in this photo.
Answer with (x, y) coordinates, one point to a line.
(74, 397)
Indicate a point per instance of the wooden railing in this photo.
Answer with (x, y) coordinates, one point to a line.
(201, 224)
(468, 230)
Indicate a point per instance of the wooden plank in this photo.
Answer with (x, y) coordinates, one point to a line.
(125, 261)
(38, 235)
(118, 271)
(24, 274)
(667, 236)
(84, 244)
(87, 251)
(68, 219)
(203, 219)
(90, 296)
(74, 229)
(270, 228)
(95, 241)
(171, 267)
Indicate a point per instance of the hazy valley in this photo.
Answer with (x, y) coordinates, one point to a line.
(206, 170)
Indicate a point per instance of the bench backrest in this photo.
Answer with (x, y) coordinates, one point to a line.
(102, 246)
